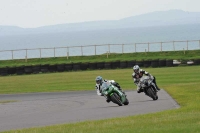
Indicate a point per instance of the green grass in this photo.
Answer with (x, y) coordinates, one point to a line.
(188, 55)
(182, 83)
(66, 81)
(7, 101)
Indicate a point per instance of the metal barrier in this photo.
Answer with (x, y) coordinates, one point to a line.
(99, 49)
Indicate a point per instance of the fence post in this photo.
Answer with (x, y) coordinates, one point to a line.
(109, 48)
(122, 48)
(25, 58)
(26, 52)
(173, 46)
(26, 55)
(82, 50)
(187, 44)
(40, 53)
(12, 54)
(54, 52)
(199, 44)
(67, 52)
(161, 46)
(95, 49)
(135, 47)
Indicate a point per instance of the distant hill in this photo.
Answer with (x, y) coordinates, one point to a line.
(158, 18)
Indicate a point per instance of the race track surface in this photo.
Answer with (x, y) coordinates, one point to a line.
(42, 109)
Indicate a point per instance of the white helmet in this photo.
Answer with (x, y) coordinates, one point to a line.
(136, 69)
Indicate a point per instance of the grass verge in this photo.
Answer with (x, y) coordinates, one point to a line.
(182, 83)
(7, 101)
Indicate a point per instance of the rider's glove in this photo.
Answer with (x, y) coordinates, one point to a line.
(150, 76)
(135, 82)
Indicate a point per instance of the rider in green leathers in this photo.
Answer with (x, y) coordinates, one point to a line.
(99, 81)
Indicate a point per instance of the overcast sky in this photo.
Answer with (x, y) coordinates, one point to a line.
(36, 13)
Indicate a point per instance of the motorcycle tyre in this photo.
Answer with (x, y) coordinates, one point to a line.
(155, 93)
(126, 102)
(151, 94)
(115, 99)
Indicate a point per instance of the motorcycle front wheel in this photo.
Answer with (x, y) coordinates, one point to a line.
(116, 99)
(152, 94)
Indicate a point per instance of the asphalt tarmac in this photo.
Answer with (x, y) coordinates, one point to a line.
(43, 109)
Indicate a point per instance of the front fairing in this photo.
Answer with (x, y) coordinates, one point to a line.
(108, 89)
(145, 81)
(105, 85)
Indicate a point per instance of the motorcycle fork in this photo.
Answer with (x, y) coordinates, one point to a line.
(110, 90)
(154, 87)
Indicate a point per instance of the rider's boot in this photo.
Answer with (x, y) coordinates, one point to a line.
(122, 91)
(154, 81)
(157, 87)
(140, 90)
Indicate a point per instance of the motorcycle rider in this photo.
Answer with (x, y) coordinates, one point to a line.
(138, 73)
(99, 81)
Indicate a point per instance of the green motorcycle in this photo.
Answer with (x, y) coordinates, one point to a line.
(114, 94)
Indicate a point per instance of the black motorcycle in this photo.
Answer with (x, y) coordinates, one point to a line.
(148, 87)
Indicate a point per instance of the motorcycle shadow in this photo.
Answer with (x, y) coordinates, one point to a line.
(146, 100)
(112, 106)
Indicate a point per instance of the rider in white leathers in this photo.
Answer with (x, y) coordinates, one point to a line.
(138, 73)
